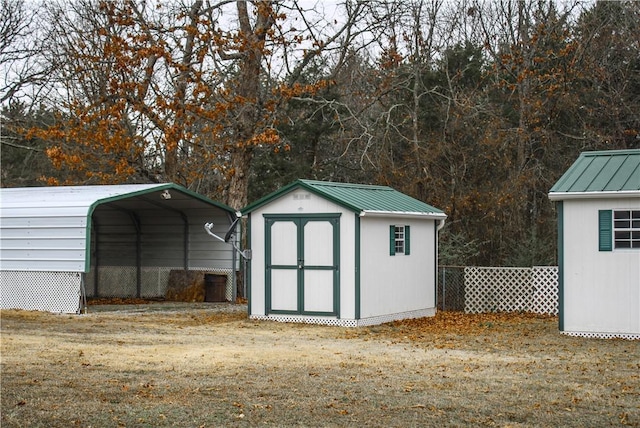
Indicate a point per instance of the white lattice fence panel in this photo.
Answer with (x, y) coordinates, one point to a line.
(41, 291)
(489, 289)
(545, 290)
(499, 289)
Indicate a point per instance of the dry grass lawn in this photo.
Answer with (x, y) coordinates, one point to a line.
(208, 365)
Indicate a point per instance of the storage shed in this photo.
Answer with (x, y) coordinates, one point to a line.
(598, 207)
(60, 245)
(342, 254)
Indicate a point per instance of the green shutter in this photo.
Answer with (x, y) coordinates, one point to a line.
(605, 232)
(392, 240)
(407, 241)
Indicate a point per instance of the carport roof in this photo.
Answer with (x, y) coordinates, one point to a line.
(90, 197)
(39, 223)
(361, 198)
(611, 173)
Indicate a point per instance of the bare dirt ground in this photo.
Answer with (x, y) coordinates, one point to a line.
(207, 365)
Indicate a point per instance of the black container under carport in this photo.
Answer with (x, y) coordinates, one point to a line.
(215, 288)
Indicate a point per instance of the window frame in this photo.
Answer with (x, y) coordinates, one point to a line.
(399, 239)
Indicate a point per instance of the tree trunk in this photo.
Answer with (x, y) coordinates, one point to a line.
(238, 189)
(524, 87)
(249, 88)
(176, 144)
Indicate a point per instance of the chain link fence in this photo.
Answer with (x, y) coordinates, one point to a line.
(451, 293)
(147, 283)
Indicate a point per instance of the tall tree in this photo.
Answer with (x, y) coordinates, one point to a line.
(608, 87)
(532, 57)
(168, 93)
(20, 45)
(477, 107)
(24, 161)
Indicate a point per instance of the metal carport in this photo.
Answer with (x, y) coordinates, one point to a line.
(59, 245)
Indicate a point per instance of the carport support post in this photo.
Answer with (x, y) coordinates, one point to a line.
(96, 262)
(136, 223)
(83, 295)
(185, 260)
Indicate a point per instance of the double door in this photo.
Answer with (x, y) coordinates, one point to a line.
(302, 264)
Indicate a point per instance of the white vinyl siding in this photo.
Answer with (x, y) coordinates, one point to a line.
(396, 284)
(601, 289)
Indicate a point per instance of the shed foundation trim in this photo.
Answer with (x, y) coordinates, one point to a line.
(421, 313)
(595, 335)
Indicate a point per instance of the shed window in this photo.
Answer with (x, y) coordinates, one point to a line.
(626, 229)
(399, 240)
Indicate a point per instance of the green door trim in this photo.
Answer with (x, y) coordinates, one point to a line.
(300, 221)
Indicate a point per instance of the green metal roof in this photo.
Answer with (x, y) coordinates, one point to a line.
(360, 198)
(612, 171)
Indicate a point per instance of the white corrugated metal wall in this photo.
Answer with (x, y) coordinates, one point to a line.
(135, 231)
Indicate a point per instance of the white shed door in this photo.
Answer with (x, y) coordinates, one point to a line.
(302, 260)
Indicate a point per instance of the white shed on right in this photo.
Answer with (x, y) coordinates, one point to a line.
(598, 207)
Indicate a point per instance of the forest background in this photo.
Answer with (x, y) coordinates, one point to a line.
(476, 107)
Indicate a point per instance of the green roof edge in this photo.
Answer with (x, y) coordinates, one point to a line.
(162, 186)
(610, 152)
(310, 185)
(306, 184)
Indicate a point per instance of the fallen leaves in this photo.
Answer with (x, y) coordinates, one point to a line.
(445, 324)
(200, 374)
(464, 323)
